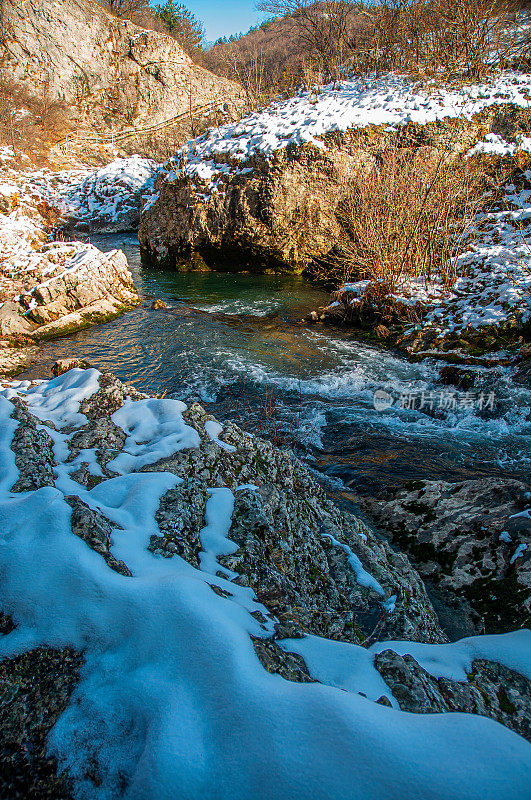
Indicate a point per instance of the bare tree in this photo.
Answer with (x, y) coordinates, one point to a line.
(324, 27)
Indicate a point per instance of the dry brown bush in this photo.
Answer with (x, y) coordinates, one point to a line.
(311, 42)
(407, 216)
(31, 125)
(442, 36)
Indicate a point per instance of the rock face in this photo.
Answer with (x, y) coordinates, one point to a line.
(112, 72)
(492, 691)
(277, 211)
(50, 288)
(66, 286)
(280, 215)
(472, 540)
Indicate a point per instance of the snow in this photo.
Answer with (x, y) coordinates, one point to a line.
(518, 553)
(495, 145)
(8, 189)
(390, 100)
(172, 699)
(58, 400)
(214, 430)
(495, 270)
(7, 154)
(350, 667)
(341, 664)
(110, 193)
(454, 661)
(214, 536)
(155, 429)
(362, 576)
(389, 605)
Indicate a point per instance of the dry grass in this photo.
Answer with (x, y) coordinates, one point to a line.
(407, 217)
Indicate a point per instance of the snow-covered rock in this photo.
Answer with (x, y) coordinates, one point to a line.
(264, 192)
(104, 200)
(182, 587)
(47, 288)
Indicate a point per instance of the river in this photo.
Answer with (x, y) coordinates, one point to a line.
(234, 343)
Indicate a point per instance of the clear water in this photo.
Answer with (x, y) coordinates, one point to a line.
(234, 342)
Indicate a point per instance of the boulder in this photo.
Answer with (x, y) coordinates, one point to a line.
(471, 539)
(491, 690)
(259, 210)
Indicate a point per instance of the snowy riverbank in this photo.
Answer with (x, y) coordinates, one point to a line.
(163, 580)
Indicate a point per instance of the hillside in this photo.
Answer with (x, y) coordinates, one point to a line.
(108, 74)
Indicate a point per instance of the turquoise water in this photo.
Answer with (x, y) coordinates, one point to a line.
(235, 343)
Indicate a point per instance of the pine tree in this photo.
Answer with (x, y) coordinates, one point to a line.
(182, 25)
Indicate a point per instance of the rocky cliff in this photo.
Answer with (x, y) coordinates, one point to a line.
(111, 72)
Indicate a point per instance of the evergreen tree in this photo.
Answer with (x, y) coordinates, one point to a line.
(182, 25)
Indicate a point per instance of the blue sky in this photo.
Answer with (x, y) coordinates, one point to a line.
(224, 17)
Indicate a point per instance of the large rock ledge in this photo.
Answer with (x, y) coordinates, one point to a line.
(281, 212)
(48, 289)
(298, 553)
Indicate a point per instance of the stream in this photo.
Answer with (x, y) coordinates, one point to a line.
(234, 343)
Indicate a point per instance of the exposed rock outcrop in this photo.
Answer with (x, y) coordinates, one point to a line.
(311, 566)
(471, 539)
(51, 288)
(280, 210)
(34, 690)
(111, 72)
(492, 691)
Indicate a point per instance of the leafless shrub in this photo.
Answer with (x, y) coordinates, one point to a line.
(31, 125)
(442, 36)
(311, 41)
(407, 216)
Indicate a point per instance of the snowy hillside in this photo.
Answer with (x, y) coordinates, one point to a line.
(390, 100)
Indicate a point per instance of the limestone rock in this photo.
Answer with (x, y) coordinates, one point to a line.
(34, 690)
(279, 211)
(96, 531)
(465, 537)
(112, 72)
(50, 288)
(33, 450)
(291, 541)
(492, 691)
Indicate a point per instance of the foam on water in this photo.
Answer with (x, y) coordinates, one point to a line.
(322, 383)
